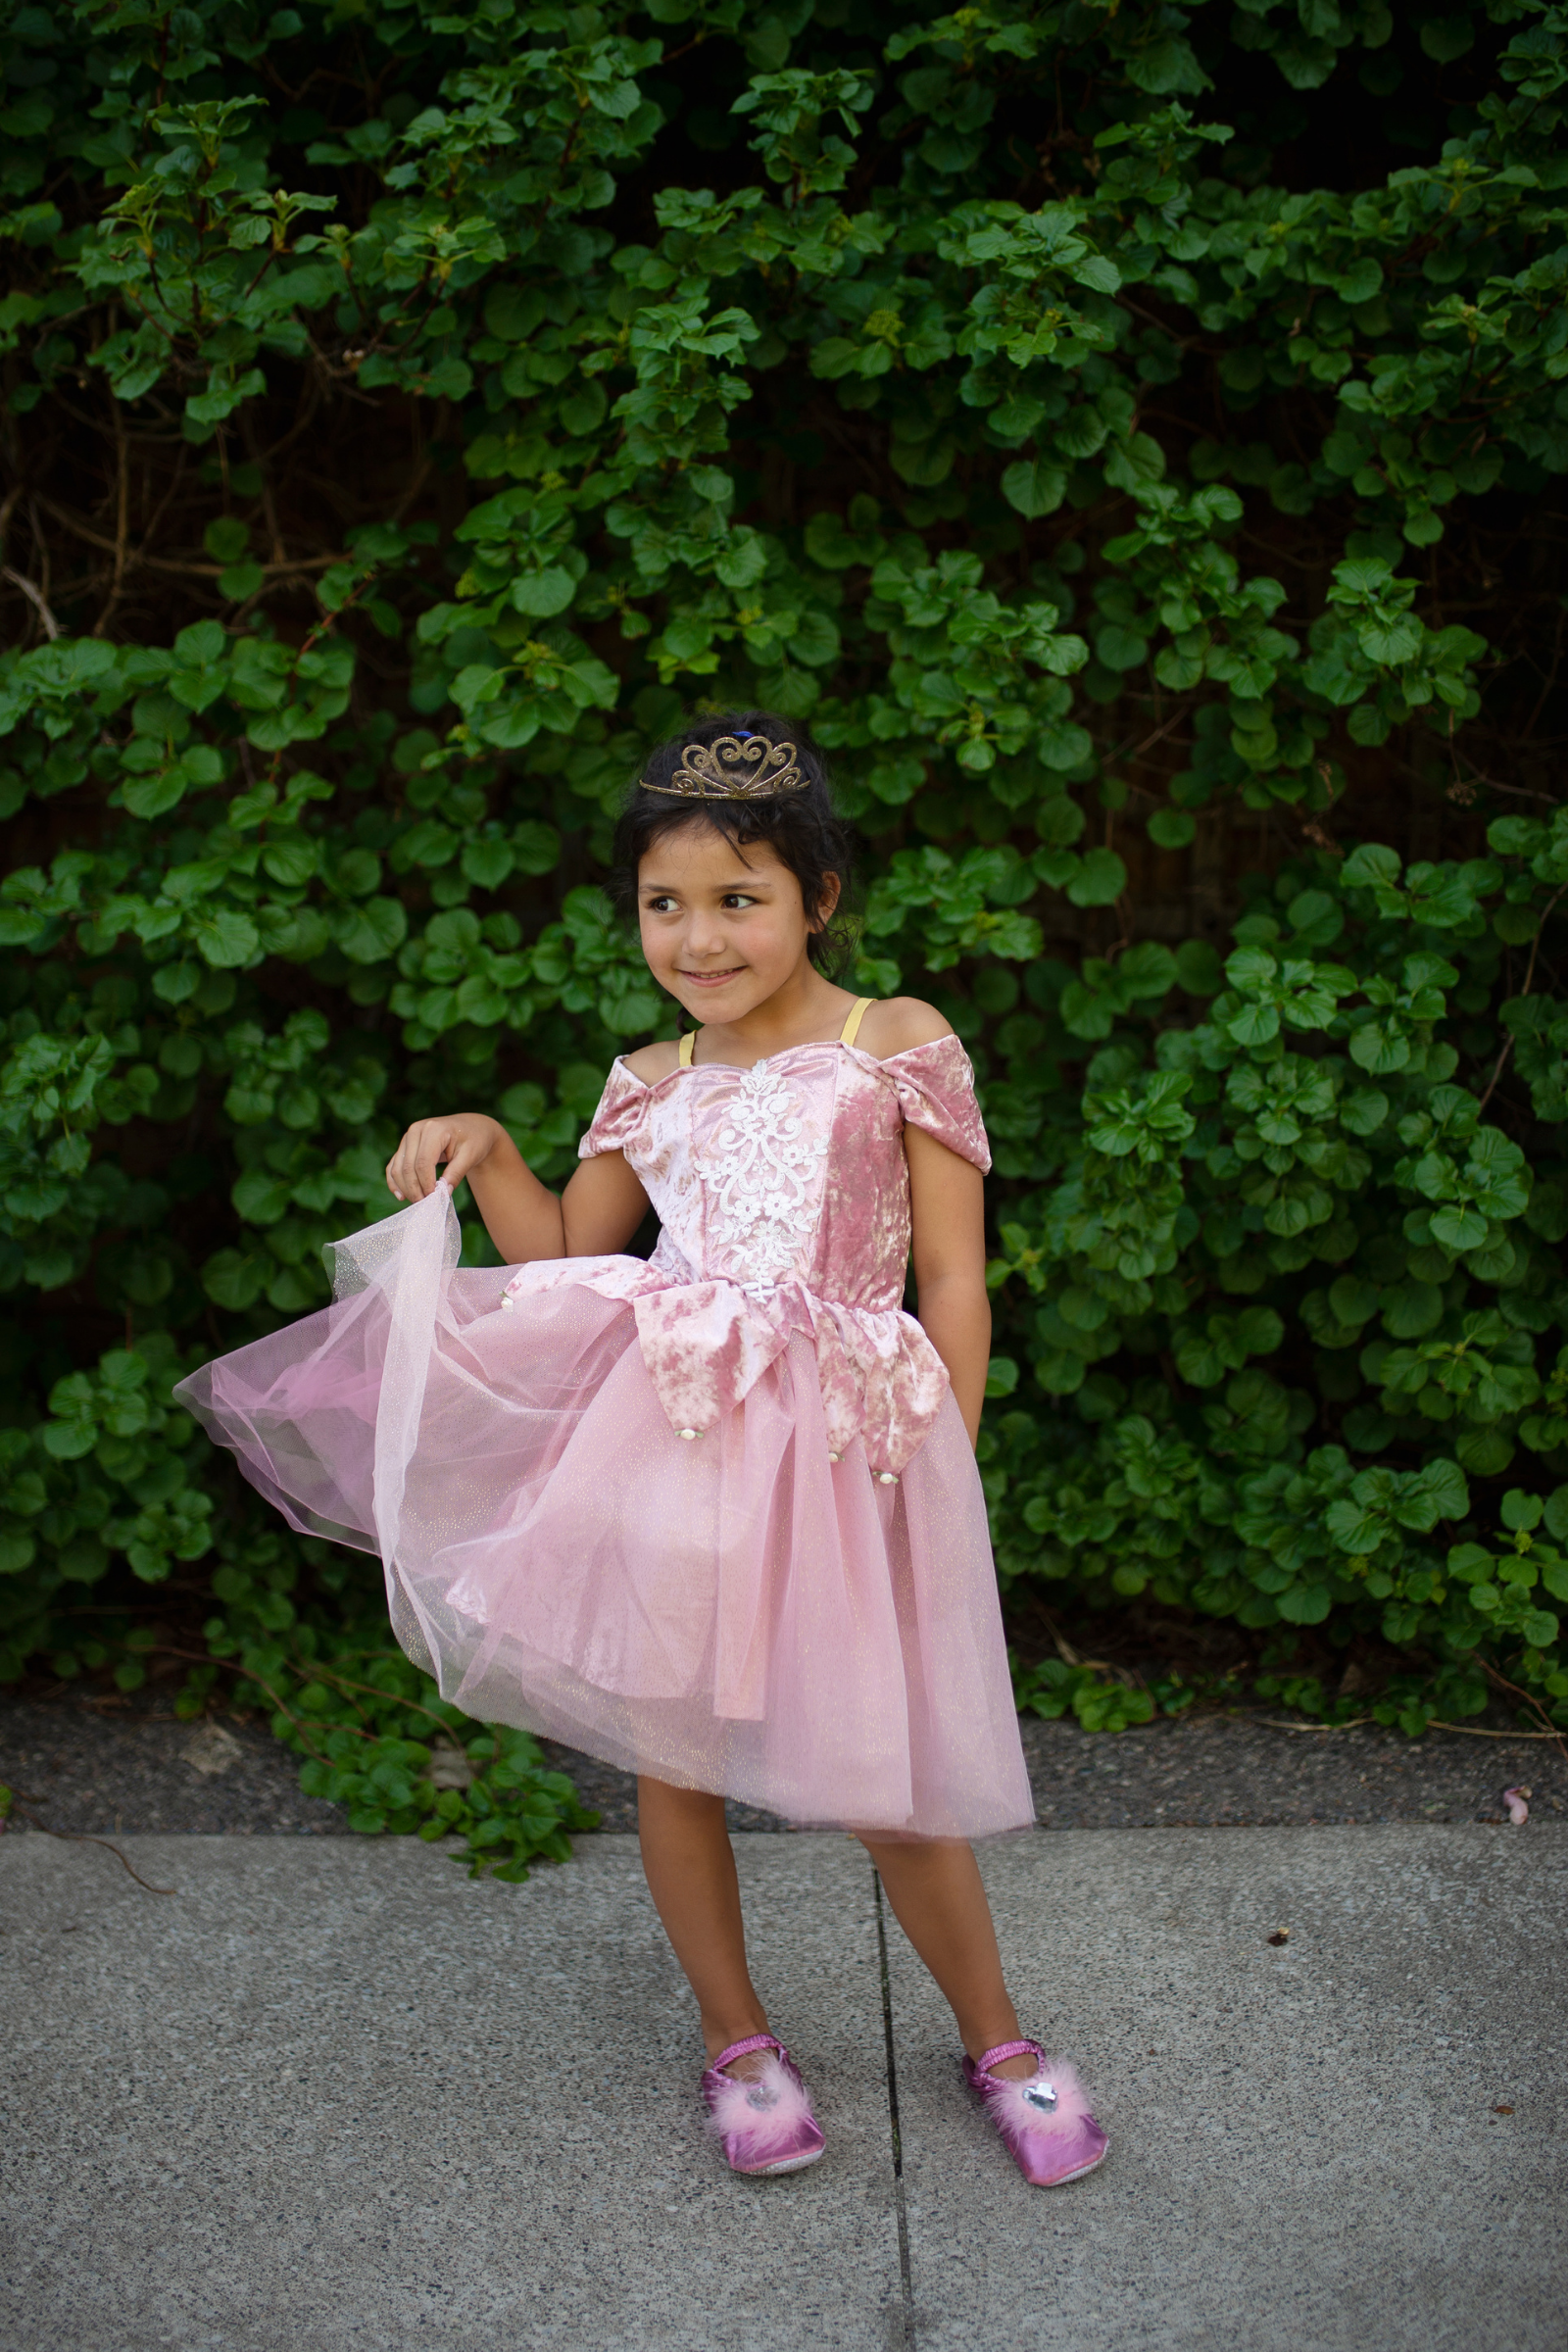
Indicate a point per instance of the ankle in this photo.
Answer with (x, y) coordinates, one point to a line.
(1007, 2070)
(716, 2040)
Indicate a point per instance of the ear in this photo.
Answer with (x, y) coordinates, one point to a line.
(832, 892)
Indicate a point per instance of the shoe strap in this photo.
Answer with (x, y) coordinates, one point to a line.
(1008, 2049)
(741, 2049)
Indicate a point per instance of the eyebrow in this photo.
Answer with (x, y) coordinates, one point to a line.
(751, 883)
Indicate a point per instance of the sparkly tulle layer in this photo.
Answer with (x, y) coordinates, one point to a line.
(736, 1614)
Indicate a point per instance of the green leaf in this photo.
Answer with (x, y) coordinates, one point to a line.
(1442, 1484)
(1459, 1228)
(1255, 1025)
(260, 1198)
(1120, 648)
(1364, 1111)
(225, 541)
(201, 645)
(1100, 880)
(1063, 744)
(225, 938)
(1198, 968)
(1444, 38)
(1371, 868)
(155, 795)
(1304, 1603)
(234, 1279)
(542, 594)
(69, 1441)
(1034, 488)
(372, 931)
(1411, 1309)
(536, 847)
(487, 864)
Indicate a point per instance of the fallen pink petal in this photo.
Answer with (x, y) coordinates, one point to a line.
(1518, 1810)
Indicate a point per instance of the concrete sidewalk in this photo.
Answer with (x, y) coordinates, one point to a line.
(334, 2098)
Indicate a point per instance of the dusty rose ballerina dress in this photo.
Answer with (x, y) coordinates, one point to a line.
(711, 1517)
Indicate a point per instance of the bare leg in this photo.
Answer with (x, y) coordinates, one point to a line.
(937, 1896)
(690, 1866)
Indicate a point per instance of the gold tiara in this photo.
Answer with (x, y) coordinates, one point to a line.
(734, 768)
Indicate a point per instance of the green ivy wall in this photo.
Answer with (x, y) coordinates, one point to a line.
(1131, 438)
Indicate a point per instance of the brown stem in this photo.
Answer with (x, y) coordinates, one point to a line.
(122, 518)
(1269, 1724)
(1530, 973)
(414, 1706)
(268, 504)
(35, 596)
(1478, 1731)
(195, 1658)
(1551, 1732)
(1550, 680)
(79, 1837)
(199, 572)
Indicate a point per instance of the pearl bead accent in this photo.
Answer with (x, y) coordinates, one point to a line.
(688, 1433)
(833, 1457)
(885, 1478)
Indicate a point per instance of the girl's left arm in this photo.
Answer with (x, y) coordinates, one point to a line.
(947, 1197)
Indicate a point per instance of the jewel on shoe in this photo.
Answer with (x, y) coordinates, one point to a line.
(1044, 2118)
(763, 2122)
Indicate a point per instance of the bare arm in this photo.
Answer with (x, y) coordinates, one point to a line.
(597, 1214)
(947, 1196)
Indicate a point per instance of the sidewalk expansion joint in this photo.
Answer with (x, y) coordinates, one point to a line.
(905, 2336)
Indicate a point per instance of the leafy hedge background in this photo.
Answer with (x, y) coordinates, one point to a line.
(1130, 437)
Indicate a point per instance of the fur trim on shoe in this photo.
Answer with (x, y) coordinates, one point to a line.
(1051, 2101)
(765, 2120)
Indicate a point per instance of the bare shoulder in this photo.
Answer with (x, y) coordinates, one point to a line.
(650, 1063)
(895, 1024)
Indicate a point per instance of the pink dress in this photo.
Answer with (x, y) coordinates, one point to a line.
(711, 1517)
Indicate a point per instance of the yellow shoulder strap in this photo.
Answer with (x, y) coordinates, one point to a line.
(858, 1013)
(686, 1045)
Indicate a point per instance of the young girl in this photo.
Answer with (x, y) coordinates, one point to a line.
(713, 1516)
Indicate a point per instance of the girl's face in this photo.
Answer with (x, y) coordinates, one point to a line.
(724, 929)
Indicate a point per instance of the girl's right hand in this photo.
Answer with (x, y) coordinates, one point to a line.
(464, 1140)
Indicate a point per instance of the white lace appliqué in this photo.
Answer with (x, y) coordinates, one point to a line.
(761, 1176)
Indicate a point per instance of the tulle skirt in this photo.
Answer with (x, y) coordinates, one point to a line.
(739, 1614)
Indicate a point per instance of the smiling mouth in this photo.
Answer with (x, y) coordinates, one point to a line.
(714, 979)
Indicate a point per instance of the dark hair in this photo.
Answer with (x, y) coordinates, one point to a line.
(799, 827)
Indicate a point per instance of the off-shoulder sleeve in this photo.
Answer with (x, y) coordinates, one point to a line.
(935, 1085)
(620, 1111)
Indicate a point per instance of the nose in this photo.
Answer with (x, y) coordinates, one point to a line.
(706, 940)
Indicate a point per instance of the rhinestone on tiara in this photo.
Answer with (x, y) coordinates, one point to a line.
(734, 768)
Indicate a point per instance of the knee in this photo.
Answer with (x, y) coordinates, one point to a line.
(897, 1854)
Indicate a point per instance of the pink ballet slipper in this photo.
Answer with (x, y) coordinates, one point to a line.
(763, 2122)
(1044, 2118)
